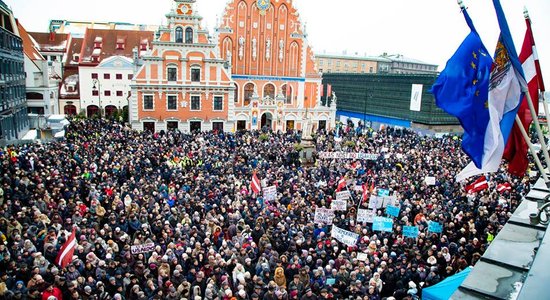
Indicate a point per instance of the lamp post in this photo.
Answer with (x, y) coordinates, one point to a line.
(97, 87)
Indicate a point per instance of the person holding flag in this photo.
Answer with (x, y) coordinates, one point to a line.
(65, 255)
(255, 185)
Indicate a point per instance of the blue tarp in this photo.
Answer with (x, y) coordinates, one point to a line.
(445, 289)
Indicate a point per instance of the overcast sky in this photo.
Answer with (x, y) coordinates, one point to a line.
(428, 30)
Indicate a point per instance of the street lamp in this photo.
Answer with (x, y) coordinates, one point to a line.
(97, 87)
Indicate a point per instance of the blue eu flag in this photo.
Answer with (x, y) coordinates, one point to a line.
(462, 90)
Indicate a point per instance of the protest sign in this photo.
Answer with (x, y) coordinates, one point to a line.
(410, 231)
(345, 155)
(430, 180)
(383, 192)
(362, 256)
(365, 215)
(343, 195)
(358, 188)
(347, 237)
(392, 211)
(382, 224)
(374, 202)
(339, 205)
(435, 227)
(137, 249)
(389, 200)
(270, 193)
(323, 216)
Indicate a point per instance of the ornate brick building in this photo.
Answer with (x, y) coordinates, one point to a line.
(272, 65)
(182, 83)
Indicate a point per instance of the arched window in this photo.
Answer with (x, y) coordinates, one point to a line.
(269, 91)
(286, 90)
(248, 92)
(236, 93)
(189, 35)
(179, 35)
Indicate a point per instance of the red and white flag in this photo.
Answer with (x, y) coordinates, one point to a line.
(479, 185)
(255, 184)
(341, 184)
(365, 191)
(503, 187)
(516, 148)
(65, 255)
(329, 90)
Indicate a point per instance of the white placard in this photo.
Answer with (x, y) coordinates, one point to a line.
(343, 195)
(339, 205)
(416, 97)
(365, 215)
(323, 216)
(270, 193)
(358, 188)
(347, 237)
(362, 256)
(346, 155)
(430, 180)
(136, 249)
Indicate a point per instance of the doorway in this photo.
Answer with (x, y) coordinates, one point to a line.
(290, 125)
(149, 126)
(195, 126)
(267, 120)
(241, 125)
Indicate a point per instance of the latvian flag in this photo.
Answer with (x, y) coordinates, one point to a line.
(365, 191)
(65, 255)
(479, 185)
(341, 184)
(255, 184)
(503, 187)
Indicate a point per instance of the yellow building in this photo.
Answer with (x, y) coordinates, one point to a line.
(329, 63)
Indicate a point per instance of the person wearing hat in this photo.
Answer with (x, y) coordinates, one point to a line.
(308, 295)
(51, 290)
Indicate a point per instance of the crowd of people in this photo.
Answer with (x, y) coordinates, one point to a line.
(171, 215)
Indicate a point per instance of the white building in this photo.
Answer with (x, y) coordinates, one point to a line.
(106, 85)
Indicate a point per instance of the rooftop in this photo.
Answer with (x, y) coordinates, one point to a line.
(30, 46)
(50, 42)
(107, 38)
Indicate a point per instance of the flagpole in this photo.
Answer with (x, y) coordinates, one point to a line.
(533, 152)
(537, 67)
(537, 125)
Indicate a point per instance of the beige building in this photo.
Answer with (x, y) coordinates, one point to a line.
(329, 63)
(355, 64)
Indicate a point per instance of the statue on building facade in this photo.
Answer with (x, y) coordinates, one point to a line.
(281, 50)
(241, 47)
(254, 48)
(267, 49)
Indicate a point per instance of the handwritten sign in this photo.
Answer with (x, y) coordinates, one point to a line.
(137, 249)
(347, 237)
(435, 227)
(362, 256)
(430, 180)
(383, 192)
(323, 216)
(339, 205)
(365, 215)
(358, 188)
(343, 195)
(345, 155)
(270, 193)
(410, 231)
(392, 211)
(382, 224)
